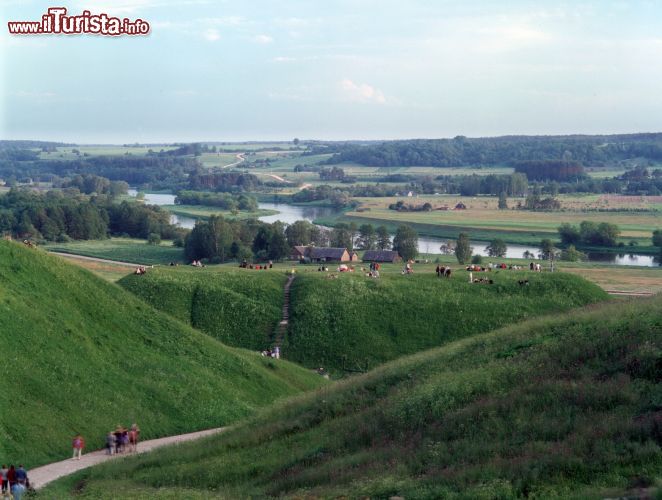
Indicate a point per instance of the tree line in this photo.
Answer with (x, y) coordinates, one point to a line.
(494, 151)
(61, 216)
(225, 201)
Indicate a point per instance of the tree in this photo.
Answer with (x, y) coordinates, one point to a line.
(503, 201)
(569, 234)
(547, 249)
(341, 236)
(278, 247)
(447, 248)
(383, 238)
(463, 248)
(154, 239)
(296, 141)
(299, 233)
(657, 238)
(405, 242)
(571, 254)
(497, 248)
(367, 237)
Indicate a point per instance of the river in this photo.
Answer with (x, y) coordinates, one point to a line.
(292, 213)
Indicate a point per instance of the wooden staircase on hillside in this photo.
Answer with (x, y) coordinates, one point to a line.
(281, 329)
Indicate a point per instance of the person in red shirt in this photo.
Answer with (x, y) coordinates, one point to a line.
(78, 444)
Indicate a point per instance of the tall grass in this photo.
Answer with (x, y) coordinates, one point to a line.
(238, 307)
(354, 323)
(565, 406)
(78, 354)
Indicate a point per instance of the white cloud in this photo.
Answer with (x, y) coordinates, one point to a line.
(284, 59)
(211, 35)
(362, 92)
(263, 39)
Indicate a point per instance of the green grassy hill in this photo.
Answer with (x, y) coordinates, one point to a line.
(238, 307)
(78, 354)
(354, 323)
(565, 406)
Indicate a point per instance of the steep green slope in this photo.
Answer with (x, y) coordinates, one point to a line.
(353, 323)
(78, 354)
(239, 307)
(567, 406)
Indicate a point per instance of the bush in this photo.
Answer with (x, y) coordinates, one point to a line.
(477, 259)
(154, 239)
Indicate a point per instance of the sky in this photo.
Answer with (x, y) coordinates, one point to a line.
(334, 70)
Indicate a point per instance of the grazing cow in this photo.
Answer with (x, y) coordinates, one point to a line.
(538, 268)
(447, 272)
(523, 282)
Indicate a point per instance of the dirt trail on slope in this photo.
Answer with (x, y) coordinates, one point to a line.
(41, 476)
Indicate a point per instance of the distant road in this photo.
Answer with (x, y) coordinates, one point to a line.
(96, 259)
(41, 476)
(240, 159)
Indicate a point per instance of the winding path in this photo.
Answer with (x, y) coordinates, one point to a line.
(41, 476)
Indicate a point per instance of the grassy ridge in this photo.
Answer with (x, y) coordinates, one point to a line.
(354, 323)
(80, 355)
(565, 406)
(238, 307)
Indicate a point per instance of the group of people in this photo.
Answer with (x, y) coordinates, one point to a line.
(245, 265)
(118, 440)
(408, 269)
(197, 263)
(15, 481)
(140, 270)
(272, 353)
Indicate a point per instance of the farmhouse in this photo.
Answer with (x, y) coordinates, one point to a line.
(381, 256)
(323, 254)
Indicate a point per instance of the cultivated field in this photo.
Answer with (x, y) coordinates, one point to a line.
(122, 249)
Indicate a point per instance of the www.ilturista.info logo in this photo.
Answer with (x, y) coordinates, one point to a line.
(57, 22)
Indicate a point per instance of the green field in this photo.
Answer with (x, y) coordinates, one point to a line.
(204, 212)
(82, 355)
(236, 306)
(130, 250)
(557, 407)
(484, 221)
(354, 323)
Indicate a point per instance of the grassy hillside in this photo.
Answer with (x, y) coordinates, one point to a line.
(80, 355)
(239, 307)
(354, 323)
(563, 406)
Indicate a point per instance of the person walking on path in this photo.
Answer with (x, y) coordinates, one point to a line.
(21, 475)
(11, 477)
(78, 444)
(3, 478)
(134, 435)
(18, 490)
(110, 443)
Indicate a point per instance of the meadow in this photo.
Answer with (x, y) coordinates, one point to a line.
(564, 406)
(484, 221)
(239, 307)
(82, 355)
(131, 250)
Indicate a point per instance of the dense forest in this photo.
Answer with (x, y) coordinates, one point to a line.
(62, 215)
(490, 151)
